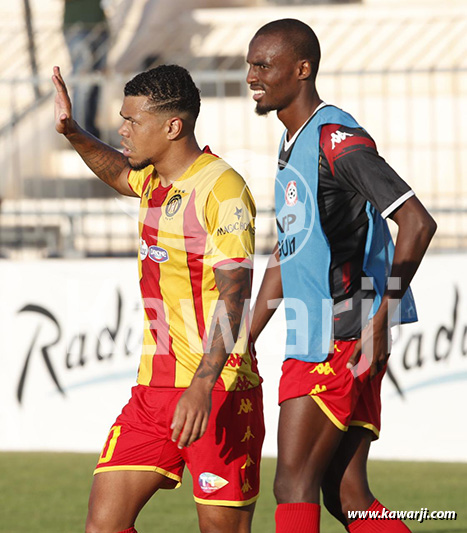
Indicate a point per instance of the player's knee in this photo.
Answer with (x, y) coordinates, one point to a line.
(224, 524)
(294, 484)
(214, 528)
(356, 498)
(128, 530)
(288, 490)
(280, 489)
(94, 527)
(333, 504)
(94, 524)
(209, 527)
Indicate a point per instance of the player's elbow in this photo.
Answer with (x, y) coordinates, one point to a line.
(432, 227)
(425, 228)
(415, 220)
(422, 230)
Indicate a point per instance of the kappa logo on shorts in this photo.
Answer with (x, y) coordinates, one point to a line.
(246, 486)
(317, 389)
(158, 254)
(248, 434)
(210, 482)
(245, 406)
(249, 461)
(323, 368)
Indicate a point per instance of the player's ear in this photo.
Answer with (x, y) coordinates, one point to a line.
(174, 128)
(304, 69)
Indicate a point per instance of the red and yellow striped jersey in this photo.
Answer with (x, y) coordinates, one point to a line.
(204, 219)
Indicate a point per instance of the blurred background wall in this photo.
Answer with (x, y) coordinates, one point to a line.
(399, 67)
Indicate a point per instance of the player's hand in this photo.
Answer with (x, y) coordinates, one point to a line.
(252, 347)
(63, 115)
(371, 351)
(191, 415)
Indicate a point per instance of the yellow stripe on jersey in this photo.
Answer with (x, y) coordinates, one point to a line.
(136, 180)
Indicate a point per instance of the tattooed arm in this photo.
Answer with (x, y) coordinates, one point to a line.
(108, 164)
(192, 412)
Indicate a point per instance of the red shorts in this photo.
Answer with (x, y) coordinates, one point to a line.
(347, 397)
(224, 463)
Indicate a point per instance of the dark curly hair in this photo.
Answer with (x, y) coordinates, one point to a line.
(168, 87)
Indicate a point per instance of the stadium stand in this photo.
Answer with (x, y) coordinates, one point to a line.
(400, 69)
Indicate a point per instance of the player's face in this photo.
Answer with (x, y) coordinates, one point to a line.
(272, 73)
(143, 133)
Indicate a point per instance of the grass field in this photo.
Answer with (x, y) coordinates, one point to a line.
(47, 493)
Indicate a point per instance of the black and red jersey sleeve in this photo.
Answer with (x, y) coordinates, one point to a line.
(356, 166)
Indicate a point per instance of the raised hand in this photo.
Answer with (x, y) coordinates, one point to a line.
(63, 114)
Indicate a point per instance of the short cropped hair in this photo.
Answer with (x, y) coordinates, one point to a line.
(300, 38)
(169, 88)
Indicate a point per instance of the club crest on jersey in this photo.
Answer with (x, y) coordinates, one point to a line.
(143, 249)
(158, 254)
(173, 205)
(210, 482)
(291, 194)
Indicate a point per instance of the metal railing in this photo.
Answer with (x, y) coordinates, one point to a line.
(421, 134)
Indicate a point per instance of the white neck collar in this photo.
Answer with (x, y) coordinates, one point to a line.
(288, 144)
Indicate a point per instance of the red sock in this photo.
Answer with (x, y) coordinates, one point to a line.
(375, 525)
(297, 518)
(130, 530)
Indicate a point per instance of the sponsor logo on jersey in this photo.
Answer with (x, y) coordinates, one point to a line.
(235, 227)
(173, 205)
(286, 223)
(238, 213)
(210, 482)
(143, 249)
(338, 137)
(287, 247)
(291, 195)
(158, 254)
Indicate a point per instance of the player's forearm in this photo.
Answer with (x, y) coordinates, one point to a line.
(107, 163)
(234, 287)
(270, 290)
(212, 363)
(416, 229)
